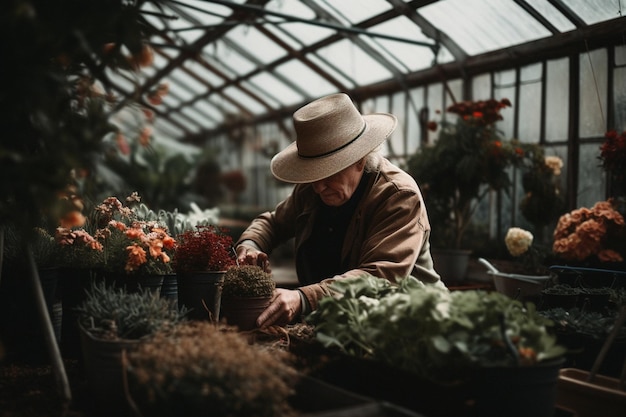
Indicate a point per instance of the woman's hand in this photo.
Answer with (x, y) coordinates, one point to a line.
(284, 308)
(247, 255)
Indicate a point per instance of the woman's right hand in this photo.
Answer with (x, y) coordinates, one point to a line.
(247, 255)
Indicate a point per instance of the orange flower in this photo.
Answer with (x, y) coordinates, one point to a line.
(136, 257)
(72, 219)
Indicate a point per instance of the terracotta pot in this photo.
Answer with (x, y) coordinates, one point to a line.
(243, 311)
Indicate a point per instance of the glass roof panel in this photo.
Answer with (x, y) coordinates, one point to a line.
(310, 81)
(276, 89)
(480, 26)
(595, 11)
(329, 67)
(193, 113)
(248, 102)
(255, 43)
(298, 32)
(355, 63)
(551, 13)
(203, 74)
(406, 56)
(354, 11)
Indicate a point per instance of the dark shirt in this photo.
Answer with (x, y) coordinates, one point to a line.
(321, 252)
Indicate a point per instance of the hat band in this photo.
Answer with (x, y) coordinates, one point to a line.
(334, 150)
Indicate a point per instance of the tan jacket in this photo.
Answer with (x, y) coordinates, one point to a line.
(388, 236)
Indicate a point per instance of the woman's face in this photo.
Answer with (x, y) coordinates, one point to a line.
(337, 189)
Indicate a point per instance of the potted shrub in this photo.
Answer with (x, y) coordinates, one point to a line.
(480, 350)
(201, 257)
(198, 367)
(111, 321)
(468, 160)
(247, 291)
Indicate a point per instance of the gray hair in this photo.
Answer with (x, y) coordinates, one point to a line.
(373, 159)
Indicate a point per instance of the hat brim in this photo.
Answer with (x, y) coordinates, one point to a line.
(288, 166)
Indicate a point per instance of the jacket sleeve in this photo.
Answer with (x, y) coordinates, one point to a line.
(270, 229)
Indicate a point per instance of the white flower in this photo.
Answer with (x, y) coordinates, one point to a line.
(554, 163)
(518, 240)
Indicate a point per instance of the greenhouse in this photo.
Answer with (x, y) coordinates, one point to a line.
(423, 201)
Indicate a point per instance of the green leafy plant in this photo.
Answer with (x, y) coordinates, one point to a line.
(434, 333)
(113, 314)
(198, 366)
(247, 281)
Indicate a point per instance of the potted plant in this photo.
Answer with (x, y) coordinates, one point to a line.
(247, 291)
(197, 367)
(469, 159)
(111, 321)
(201, 258)
(592, 237)
(465, 346)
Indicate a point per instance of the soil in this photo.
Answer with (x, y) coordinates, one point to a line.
(29, 390)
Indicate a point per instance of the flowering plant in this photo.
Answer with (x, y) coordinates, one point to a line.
(205, 248)
(519, 243)
(469, 159)
(80, 242)
(133, 246)
(591, 235)
(543, 202)
(613, 157)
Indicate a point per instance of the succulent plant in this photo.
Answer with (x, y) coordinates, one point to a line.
(247, 281)
(111, 313)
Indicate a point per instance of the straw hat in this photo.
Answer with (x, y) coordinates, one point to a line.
(331, 135)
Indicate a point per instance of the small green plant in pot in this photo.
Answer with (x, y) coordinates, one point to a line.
(111, 322)
(247, 291)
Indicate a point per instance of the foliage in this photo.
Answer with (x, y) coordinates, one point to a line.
(428, 330)
(613, 152)
(469, 159)
(198, 366)
(111, 313)
(247, 281)
(543, 202)
(577, 321)
(206, 248)
(592, 235)
(55, 113)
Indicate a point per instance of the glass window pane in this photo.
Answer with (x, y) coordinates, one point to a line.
(557, 99)
(529, 110)
(505, 88)
(591, 179)
(416, 102)
(593, 89)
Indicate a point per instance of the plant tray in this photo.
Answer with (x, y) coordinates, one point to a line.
(602, 397)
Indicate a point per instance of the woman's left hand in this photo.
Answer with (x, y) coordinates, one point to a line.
(284, 308)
